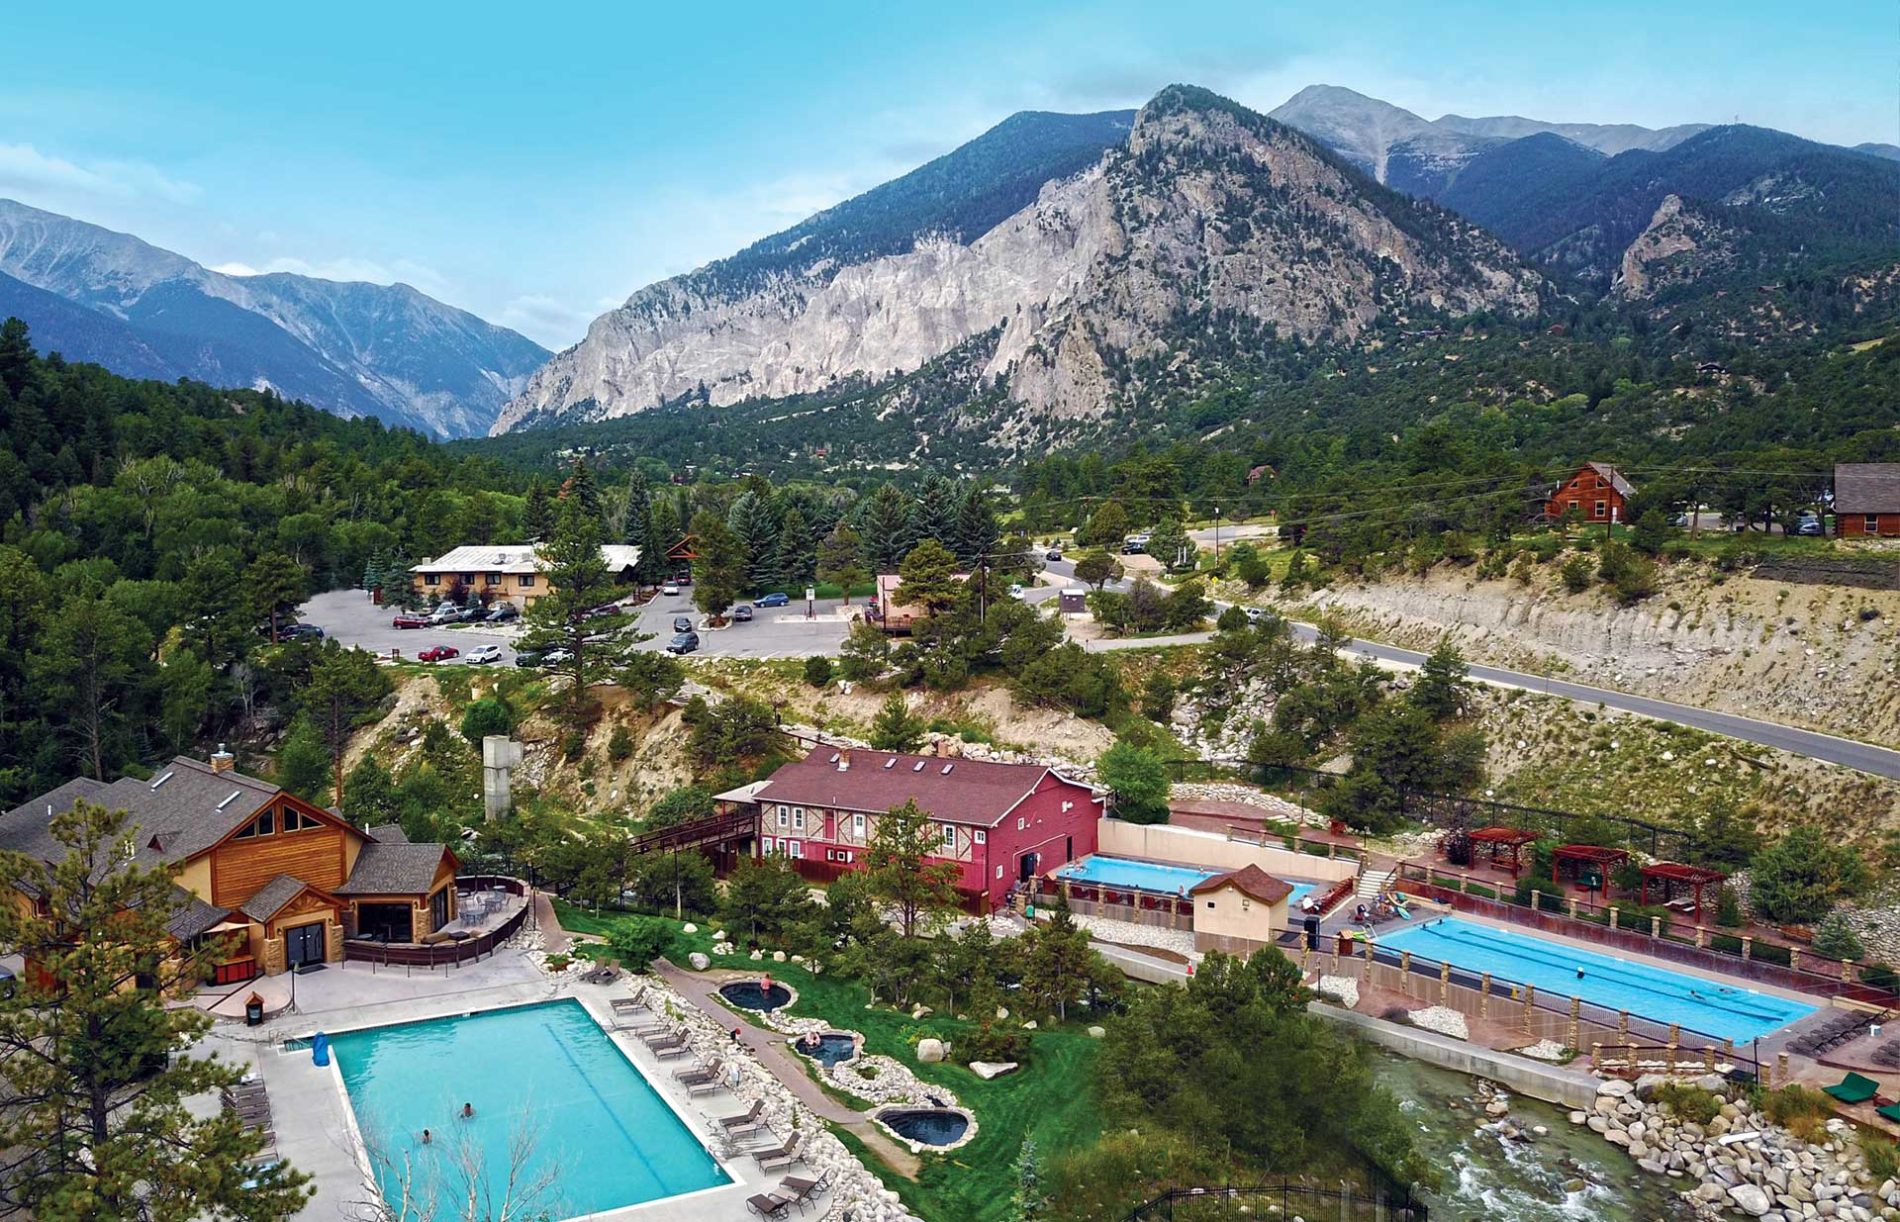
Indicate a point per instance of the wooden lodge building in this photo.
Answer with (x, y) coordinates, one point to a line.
(1597, 491)
(1867, 500)
(287, 881)
(1001, 824)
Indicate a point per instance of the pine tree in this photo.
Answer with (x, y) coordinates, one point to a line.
(537, 513)
(578, 581)
(976, 529)
(936, 514)
(885, 524)
(754, 524)
(797, 553)
(719, 572)
(580, 486)
(841, 559)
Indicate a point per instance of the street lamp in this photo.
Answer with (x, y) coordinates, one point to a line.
(1217, 536)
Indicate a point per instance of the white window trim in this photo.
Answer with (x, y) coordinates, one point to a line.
(980, 836)
(857, 824)
(795, 850)
(1022, 823)
(950, 837)
(784, 817)
(798, 818)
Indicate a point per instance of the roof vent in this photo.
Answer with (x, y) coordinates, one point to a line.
(231, 799)
(946, 769)
(222, 760)
(163, 777)
(834, 757)
(918, 766)
(156, 845)
(844, 761)
(891, 762)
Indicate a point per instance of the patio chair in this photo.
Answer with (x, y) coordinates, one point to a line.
(665, 1037)
(1853, 1089)
(1890, 1112)
(783, 1156)
(668, 1052)
(800, 1189)
(745, 1121)
(622, 1005)
(767, 1205)
(701, 1073)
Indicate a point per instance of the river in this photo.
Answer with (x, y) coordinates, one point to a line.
(1568, 1174)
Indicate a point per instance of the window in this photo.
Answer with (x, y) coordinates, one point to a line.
(1872, 524)
(493, 579)
(798, 818)
(857, 825)
(794, 848)
(263, 825)
(526, 581)
(784, 816)
(999, 871)
(980, 837)
(468, 579)
(950, 837)
(1600, 509)
(432, 579)
(1210, 903)
(1021, 823)
(297, 821)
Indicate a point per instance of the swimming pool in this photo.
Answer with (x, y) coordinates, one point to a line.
(547, 1067)
(1654, 992)
(1152, 876)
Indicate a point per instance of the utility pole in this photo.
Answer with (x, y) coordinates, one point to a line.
(1217, 536)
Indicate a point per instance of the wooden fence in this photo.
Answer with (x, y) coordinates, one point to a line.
(446, 954)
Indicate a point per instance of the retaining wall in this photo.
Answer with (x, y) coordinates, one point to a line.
(1567, 1088)
(1186, 847)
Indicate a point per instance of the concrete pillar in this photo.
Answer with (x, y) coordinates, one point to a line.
(1596, 1055)
(1530, 1004)
(1573, 907)
(1576, 1023)
(1444, 983)
(1701, 937)
(333, 941)
(1537, 900)
(1367, 972)
(1623, 1024)
(1655, 927)
(500, 757)
(1781, 1068)
(1847, 971)
(1748, 946)
(1794, 958)
(1405, 972)
(1484, 995)
(1613, 916)
(1675, 1035)
(1708, 1058)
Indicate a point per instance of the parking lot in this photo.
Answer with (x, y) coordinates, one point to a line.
(349, 617)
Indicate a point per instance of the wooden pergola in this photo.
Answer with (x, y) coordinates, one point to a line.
(1669, 873)
(1499, 841)
(1584, 856)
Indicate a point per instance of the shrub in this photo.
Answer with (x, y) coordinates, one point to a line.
(620, 745)
(818, 671)
(1689, 1102)
(639, 941)
(1139, 781)
(1799, 877)
(1728, 908)
(1883, 1157)
(489, 715)
(1802, 1110)
(1577, 574)
(1836, 939)
(1881, 977)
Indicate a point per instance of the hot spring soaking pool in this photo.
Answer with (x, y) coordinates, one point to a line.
(1152, 876)
(616, 1141)
(1711, 1007)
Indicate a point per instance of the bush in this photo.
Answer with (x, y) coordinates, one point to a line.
(1139, 781)
(1728, 908)
(1797, 879)
(1883, 1156)
(818, 671)
(620, 745)
(1232, 620)
(1802, 1110)
(1836, 939)
(1577, 574)
(1690, 1103)
(1881, 977)
(489, 715)
(637, 942)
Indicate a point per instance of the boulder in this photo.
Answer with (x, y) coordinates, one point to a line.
(719, 935)
(698, 961)
(1750, 1200)
(930, 1051)
(1096, 1033)
(991, 1069)
(1030, 1025)
(1616, 1088)
(689, 927)
(778, 956)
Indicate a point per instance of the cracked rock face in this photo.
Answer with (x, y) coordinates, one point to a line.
(1207, 210)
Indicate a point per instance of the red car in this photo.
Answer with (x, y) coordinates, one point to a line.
(439, 653)
(409, 620)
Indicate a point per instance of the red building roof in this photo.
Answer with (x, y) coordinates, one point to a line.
(1249, 880)
(976, 792)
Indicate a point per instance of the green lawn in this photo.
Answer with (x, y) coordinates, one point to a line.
(1050, 1099)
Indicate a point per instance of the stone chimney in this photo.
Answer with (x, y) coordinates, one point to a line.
(222, 760)
(844, 759)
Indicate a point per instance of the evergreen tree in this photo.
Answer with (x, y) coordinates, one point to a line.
(1441, 686)
(896, 728)
(935, 516)
(754, 524)
(841, 559)
(343, 684)
(537, 515)
(929, 578)
(578, 581)
(303, 765)
(885, 525)
(797, 556)
(276, 584)
(666, 529)
(903, 865)
(976, 530)
(638, 530)
(1107, 527)
(719, 573)
(581, 486)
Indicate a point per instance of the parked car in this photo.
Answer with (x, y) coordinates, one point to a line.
(473, 615)
(554, 657)
(1015, 589)
(447, 613)
(293, 632)
(682, 623)
(409, 619)
(1808, 524)
(439, 653)
(1254, 614)
(1055, 553)
(774, 600)
(483, 654)
(503, 614)
(603, 609)
(7, 982)
(742, 612)
(684, 642)
(671, 587)
(530, 657)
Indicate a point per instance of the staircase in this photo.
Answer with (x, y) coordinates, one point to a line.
(1371, 883)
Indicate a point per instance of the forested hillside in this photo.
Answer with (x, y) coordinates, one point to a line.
(151, 528)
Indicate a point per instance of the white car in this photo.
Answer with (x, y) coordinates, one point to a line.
(483, 653)
(1016, 589)
(671, 587)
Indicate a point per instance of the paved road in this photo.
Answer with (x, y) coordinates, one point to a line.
(1862, 757)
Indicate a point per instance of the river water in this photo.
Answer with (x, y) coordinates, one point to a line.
(1568, 1174)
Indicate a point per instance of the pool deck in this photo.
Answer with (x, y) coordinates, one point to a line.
(315, 1125)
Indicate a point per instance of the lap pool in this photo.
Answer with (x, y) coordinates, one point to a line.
(1152, 876)
(545, 1069)
(1653, 992)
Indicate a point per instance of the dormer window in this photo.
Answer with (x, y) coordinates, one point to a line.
(263, 825)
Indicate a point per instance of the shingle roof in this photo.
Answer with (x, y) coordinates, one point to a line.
(978, 792)
(1250, 881)
(389, 833)
(269, 900)
(1623, 487)
(184, 809)
(193, 917)
(1867, 487)
(393, 869)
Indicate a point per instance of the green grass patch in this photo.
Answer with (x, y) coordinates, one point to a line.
(1050, 1098)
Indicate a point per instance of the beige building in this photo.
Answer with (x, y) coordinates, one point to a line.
(509, 572)
(1240, 911)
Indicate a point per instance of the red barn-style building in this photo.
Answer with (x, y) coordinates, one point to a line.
(1599, 492)
(1000, 823)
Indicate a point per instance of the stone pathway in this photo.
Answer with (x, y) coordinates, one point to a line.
(768, 1047)
(554, 939)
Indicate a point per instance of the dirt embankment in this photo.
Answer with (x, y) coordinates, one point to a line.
(1825, 657)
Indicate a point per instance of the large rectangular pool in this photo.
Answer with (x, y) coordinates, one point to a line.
(1654, 992)
(1152, 876)
(547, 1070)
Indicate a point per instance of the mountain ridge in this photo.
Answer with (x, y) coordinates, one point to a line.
(353, 348)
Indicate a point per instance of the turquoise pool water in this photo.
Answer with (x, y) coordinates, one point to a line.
(1151, 876)
(1656, 993)
(548, 1066)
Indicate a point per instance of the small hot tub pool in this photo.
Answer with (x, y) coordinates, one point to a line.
(749, 995)
(927, 1126)
(833, 1047)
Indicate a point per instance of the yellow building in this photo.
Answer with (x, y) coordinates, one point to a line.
(1240, 911)
(511, 572)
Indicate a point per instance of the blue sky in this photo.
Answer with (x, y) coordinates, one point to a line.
(537, 163)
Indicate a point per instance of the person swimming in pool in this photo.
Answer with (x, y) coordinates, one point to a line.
(425, 1137)
(468, 1111)
(1579, 973)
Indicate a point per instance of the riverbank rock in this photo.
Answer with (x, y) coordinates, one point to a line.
(991, 1069)
(1442, 1019)
(930, 1051)
(698, 961)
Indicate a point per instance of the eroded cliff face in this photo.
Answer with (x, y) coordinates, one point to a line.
(1680, 245)
(1208, 208)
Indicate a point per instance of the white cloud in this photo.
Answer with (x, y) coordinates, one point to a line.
(236, 269)
(24, 168)
(547, 320)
